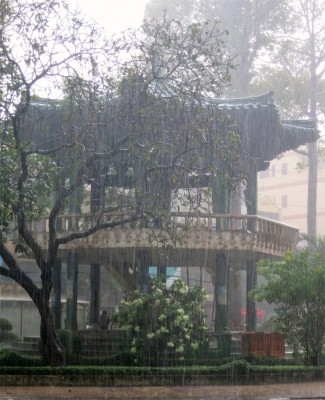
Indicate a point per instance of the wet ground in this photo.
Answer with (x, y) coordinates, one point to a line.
(263, 392)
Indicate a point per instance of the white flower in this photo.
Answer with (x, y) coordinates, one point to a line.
(170, 344)
(150, 335)
(180, 349)
(194, 346)
(137, 302)
(183, 290)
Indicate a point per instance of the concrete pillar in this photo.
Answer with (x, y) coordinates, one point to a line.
(250, 304)
(143, 270)
(221, 289)
(94, 310)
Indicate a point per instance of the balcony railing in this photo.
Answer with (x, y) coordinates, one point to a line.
(237, 232)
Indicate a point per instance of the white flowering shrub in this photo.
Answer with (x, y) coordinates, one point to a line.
(166, 323)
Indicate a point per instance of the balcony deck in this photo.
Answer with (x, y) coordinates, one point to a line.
(241, 237)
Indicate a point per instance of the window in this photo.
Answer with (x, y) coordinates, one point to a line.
(284, 169)
(284, 201)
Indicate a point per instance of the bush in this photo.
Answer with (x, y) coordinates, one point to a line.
(120, 359)
(5, 335)
(5, 325)
(11, 359)
(8, 337)
(165, 325)
(71, 342)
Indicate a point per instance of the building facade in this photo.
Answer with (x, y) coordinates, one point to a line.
(283, 191)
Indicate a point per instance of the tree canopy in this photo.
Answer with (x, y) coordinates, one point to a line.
(296, 287)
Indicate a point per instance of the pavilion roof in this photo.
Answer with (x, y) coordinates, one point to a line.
(256, 119)
(263, 134)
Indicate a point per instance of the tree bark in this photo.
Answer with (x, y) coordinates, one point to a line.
(72, 291)
(57, 294)
(312, 147)
(52, 349)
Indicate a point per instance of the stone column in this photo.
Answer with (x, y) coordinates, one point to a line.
(143, 270)
(221, 289)
(251, 204)
(96, 201)
(94, 308)
(250, 304)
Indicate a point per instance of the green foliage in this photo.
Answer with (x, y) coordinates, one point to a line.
(296, 287)
(5, 335)
(8, 337)
(39, 186)
(119, 359)
(235, 371)
(166, 323)
(5, 325)
(71, 342)
(11, 359)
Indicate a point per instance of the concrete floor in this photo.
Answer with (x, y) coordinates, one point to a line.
(258, 392)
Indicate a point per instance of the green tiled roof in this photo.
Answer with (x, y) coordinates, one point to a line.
(264, 135)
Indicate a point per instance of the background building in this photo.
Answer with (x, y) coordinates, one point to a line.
(283, 189)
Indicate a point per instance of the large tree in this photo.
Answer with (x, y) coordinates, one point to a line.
(250, 25)
(297, 76)
(133, 126)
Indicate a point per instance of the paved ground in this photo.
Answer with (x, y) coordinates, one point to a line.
(263, 392)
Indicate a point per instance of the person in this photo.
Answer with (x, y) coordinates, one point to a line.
(103, 320)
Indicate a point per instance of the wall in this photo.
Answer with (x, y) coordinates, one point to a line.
(287, 188)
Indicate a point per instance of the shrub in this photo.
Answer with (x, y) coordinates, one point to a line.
(119, 359)
(9, 358)
(71, 342)
(8, 337)
(5, 335)
(165, 324)
(5, 325)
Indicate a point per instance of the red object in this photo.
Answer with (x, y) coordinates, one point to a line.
(259, 313)
(263, 344)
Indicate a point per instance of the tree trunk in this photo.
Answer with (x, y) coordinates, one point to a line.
(312, 191)
(56, 308)
(52, 349)
(72, 291)
(312, 147)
